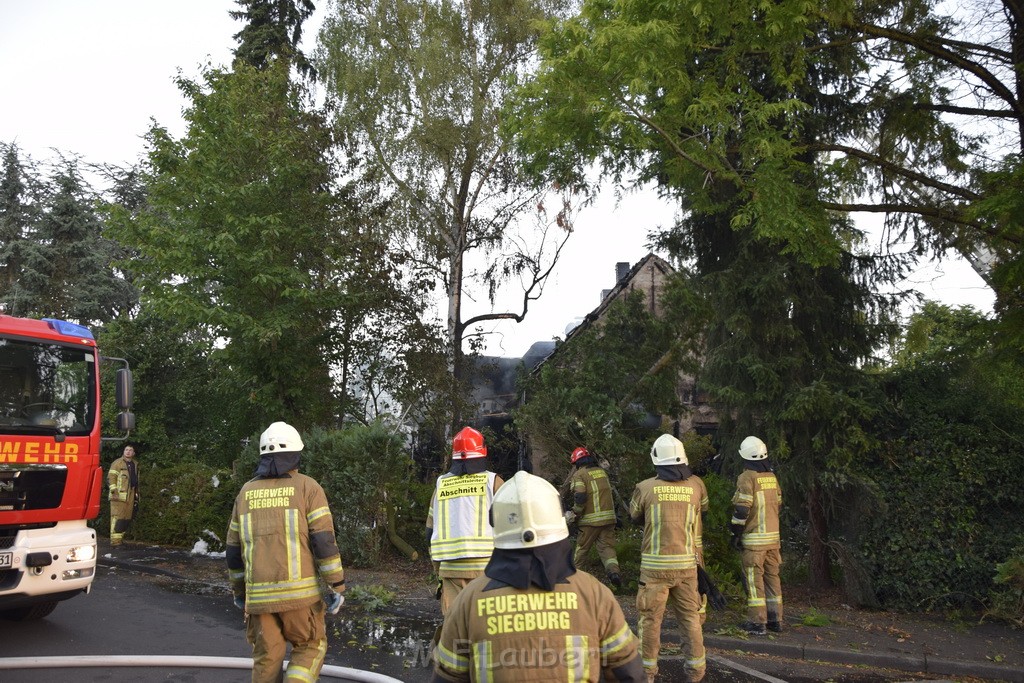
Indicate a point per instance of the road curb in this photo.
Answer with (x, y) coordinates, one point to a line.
(880, 660)
(938, 665)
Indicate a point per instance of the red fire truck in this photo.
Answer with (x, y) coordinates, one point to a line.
(51, 482)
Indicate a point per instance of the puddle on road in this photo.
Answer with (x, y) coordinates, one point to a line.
(405, 637)
(409, 638)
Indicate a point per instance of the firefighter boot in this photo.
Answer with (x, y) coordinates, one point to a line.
(754, 629)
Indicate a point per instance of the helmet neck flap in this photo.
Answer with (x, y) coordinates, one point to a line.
(673, 472)
(276, 465)
(543, 566)
(470, 466)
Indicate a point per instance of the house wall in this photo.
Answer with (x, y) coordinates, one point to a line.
(648, 276)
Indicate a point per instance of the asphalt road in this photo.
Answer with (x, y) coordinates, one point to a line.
(130, 614)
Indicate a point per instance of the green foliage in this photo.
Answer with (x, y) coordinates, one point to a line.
(232, 235)
(372, 597)
(246, 236)
(363, 469)
(273, 30)
(686, 94)
(813, 617)
(17, 212)
(1002, 206)
(55, 254)
(597, 391)
(186, 401)
(180, 504)
(952, 448)
(1007, 596)
(419, 87)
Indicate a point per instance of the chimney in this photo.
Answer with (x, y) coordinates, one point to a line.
(621, 271)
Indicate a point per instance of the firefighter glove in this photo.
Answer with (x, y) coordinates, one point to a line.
(240, 602)
(707, 587)
(334, 601)
(736, 542)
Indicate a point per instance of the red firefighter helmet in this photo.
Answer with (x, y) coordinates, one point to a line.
(578, 454)
(467, 444)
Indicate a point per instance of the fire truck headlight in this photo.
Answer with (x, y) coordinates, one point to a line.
(72, 574)
(82, 553)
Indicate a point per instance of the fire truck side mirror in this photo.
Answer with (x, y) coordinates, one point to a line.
(123, 390)
(125, 421)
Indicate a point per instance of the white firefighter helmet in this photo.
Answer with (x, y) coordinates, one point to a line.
(668, 450)
(527, 513)
(753, 448)
(280, 437)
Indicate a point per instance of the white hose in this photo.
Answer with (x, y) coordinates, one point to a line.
(340, 672)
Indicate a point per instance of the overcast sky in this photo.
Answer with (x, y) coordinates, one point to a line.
(86, 76)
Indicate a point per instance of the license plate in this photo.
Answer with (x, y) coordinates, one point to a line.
(5, 560)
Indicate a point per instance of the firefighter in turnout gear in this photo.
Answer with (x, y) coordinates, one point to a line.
(461, 539)
(594, 511)
(670, 504)
(755, 528)
(280, 540)
(533, 616)
(123, 494)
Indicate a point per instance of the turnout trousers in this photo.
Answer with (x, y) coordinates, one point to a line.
(604, 538)
(269, 635)
(762, 584)
(451, 586)
(678, 590)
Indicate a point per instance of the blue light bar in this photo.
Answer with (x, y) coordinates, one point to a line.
(69, 329)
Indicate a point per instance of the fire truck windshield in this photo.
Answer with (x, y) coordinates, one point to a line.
(46, 388)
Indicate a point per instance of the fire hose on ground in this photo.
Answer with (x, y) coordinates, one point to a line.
(342, 673)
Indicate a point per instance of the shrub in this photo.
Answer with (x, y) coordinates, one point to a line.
(1007, 595)
(179, 505)
(363, 470)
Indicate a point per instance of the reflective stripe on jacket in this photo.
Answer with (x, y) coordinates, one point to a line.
(119, 481)
(281, 537)
(672, 527)
(599, 508)
(460, 516)
(576, 632)
(760, 494)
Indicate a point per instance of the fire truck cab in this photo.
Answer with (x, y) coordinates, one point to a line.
(51, 481)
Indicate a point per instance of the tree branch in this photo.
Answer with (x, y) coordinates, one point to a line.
(925, 211)
(936, 49)
(896, 169)
(970, 111)
(536, 283)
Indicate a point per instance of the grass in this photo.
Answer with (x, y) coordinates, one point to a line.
(815, 618)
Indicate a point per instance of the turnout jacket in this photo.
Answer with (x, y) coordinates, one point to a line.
(756, 502)
(281, 536)
(671, 511)
(592, 485)
(497, 633)
(123, 487)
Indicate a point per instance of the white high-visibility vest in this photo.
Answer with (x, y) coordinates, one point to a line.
(461, 524)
